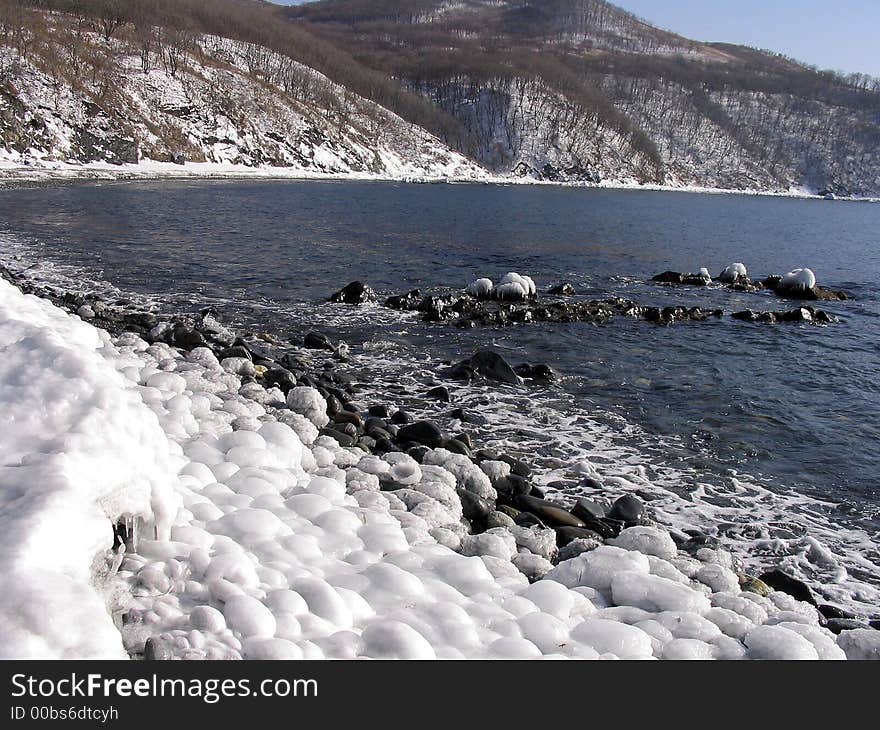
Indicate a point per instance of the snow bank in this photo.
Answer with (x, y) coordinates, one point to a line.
(80, 449)
(273, 542)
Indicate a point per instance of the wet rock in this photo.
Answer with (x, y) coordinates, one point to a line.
(186, 338)
(426, 433)
(456, 447)
(317, 341)
(780, 581)
(541, 372)
(839, 625)
(379, 411)
(441, 393)
(405, 302)
(354, 293)
(566, 535)
(517, 466)
(235, 351)
(628, 509)
(489, 365)
(344, 439)
(689, 279)
(562, 290)
(588, 509)
(401, 418)
(473, 507)
(552, 514)
(511, 487)
(145, 320)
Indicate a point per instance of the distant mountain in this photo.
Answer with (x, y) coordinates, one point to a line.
(581, 89)
(569, 90)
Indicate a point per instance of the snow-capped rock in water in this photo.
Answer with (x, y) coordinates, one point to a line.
(733, 273)
(526, 282)
(267, 540)
(481, 288)
(798, 280)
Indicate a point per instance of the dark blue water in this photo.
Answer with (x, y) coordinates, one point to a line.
(797, 406)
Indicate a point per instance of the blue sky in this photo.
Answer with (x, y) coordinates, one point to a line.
(843, 35)
(837, 34)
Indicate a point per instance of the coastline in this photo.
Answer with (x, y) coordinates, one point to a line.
(18, 175)
(168, 360)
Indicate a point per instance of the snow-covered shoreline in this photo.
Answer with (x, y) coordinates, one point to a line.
(13, 175)
(273, 541)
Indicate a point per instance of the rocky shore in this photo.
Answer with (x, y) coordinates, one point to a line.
(682, 591)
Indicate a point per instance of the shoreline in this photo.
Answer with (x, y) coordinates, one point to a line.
(185, 347)
(12, 176)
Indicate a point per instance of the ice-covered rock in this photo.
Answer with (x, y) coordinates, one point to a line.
(798, 280)
(481, 288)
(733, 273)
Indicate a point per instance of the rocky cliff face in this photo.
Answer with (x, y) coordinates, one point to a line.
(222, 101)
(581, 90)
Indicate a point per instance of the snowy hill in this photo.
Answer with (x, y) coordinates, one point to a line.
(582, 90)
(211, 100)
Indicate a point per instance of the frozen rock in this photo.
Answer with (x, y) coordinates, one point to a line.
(778, 642)
(597, 568)
(653, 593)
(647, 540)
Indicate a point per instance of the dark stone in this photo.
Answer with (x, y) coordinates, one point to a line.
(346, 428)
(441, 392)
(551, 513)
(346, 416)
(565, 535)
(587, 509)
(829, 612)
(562, 290)
(186, 338)
(489, 365)
(405, 302)
(367, 443)
(401, 418)
(354, 293)
(456, 447)
(422, 432)
(473, 507)
(418, 453)
(155, 650)
(317, 341)
(146, 320)
(839, 625)
(384, 446)
(511, 487)
(334, 405)
(517, 466)
(780, 581)
(465, 438)
(379, 411)
(344, 439)
(235, 351)
(527, 519)
(628, 509)
(541, 372)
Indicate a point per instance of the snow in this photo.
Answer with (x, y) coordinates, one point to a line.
(257, 543)
(481, 288)
(733, 272)
(799, 280)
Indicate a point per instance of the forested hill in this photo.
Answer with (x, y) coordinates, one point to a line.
(573, 90)
(582, 89)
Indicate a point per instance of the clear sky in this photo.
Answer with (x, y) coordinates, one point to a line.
(837, 34)
(843, 35)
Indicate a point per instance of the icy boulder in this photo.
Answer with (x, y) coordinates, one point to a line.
(860, 644)
(481, 288)
(654, 593)
(597, 568)
(310, 403)
(511, 291)
(798, 280)
(84, 451)
(733, 273)
(647, 540)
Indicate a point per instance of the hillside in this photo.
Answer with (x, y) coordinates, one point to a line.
(558, 90)
(580, 89)
(83, 87)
